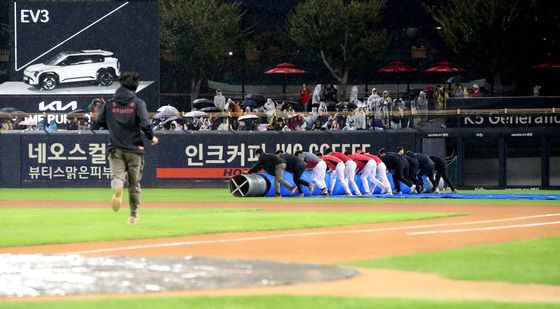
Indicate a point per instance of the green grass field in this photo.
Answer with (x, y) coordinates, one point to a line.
(223, 195)
(531, 261)
(267, 302)
(36, 226)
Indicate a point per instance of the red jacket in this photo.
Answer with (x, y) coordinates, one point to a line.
(360, 159)
(341, 156)
(331, 161)
(376, 158)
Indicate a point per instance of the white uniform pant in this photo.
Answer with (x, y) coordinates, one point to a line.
(369, 173)
(318, 176)
(350, 172)
(381, 175)
(338, 173)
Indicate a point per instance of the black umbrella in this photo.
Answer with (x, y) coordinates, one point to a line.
(257, 97)
(295, 106)
(248, 103)
(167, 123)
(77, 113)
(202, 103)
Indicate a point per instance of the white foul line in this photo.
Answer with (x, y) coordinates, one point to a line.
(492, 228)
(294, 235)
(75, 34)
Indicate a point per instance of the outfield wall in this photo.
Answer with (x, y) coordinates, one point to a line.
(489, 158)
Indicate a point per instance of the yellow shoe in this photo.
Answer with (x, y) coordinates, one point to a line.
(132, 219)
(117, 199)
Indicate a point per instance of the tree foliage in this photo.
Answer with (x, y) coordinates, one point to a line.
(340, 32)
(486, 34)
(199, 34)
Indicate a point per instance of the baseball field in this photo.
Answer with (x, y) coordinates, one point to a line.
(394, 252)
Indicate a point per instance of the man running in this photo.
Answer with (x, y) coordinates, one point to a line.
(126, 118)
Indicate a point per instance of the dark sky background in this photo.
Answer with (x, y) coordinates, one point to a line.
(272, 14)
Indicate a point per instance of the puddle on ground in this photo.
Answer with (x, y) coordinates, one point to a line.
(59, 275)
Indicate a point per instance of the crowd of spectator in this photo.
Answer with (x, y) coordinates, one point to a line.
(315, 110)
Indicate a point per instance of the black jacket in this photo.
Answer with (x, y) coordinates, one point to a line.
(394, 161)
(423, 160)
(293, 163)
(440, 163)
(267, 162)
(126, 117)
(412, 163)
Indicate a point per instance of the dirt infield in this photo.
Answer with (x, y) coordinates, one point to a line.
(484, 224)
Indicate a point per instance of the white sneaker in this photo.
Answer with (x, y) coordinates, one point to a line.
(436, 191)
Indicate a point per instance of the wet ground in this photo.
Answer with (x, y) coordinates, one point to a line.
(58, 275)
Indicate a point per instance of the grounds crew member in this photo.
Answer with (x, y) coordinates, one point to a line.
(296, 166)
(126, 118)
(412, 173)
(275, 166)
(426, 167)
(441, 172)
(380, 174)
(397, 164)
(367, 167)
(349, 170)
(319, 169)
(337, 167)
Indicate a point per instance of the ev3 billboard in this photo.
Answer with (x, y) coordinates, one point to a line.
(80, 48)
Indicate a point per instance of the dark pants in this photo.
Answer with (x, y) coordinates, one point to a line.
(442, 173)
(398, 177)
(413, 176)
(127, 167)
(428, 171)
(298, 181)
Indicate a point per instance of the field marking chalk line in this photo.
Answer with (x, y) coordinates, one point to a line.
(294, 235)
(491, 228)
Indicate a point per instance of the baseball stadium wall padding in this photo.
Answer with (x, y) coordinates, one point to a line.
(186, 159)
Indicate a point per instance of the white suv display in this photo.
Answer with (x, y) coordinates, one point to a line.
(74, 66)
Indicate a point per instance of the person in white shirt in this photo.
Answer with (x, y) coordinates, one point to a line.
(219, 100)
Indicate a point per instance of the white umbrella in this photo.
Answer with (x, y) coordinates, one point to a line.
(245, 117)
(196, 114)
(168, 108)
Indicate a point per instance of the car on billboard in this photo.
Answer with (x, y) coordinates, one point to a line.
(74, 66)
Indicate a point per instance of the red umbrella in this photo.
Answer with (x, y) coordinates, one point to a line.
(397, 67)
(444, 66)
(285, 68)
(547, 65)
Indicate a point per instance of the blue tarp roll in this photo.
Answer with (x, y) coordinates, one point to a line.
(337, 188)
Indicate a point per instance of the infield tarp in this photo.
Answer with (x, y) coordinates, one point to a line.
(468, 196)
(338, 190)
